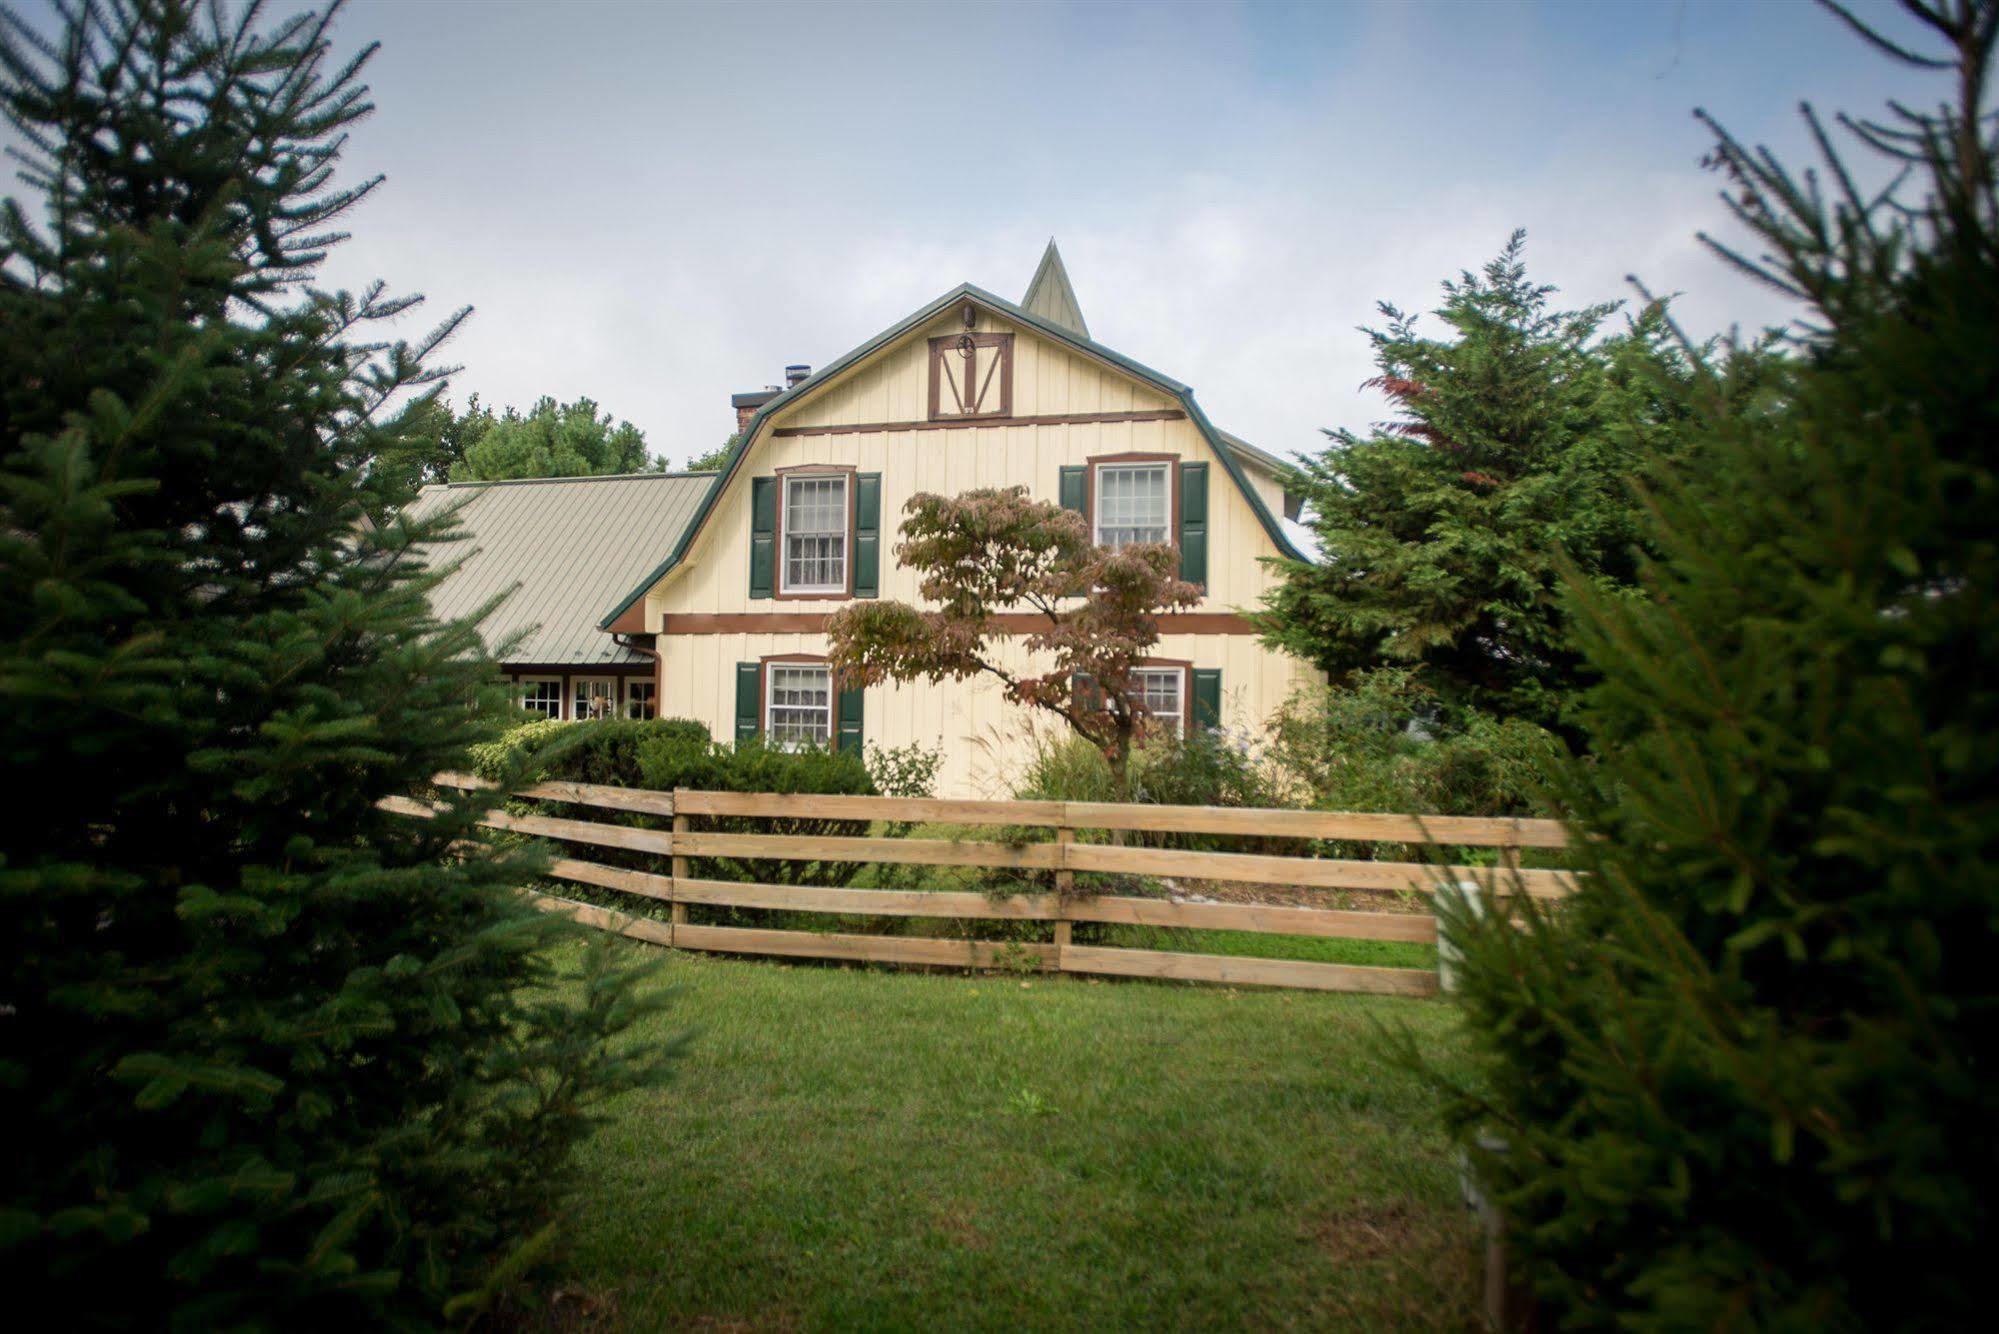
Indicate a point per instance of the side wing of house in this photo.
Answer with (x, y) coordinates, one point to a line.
(973, 396)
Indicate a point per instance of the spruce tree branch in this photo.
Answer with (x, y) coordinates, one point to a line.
(1880, 42)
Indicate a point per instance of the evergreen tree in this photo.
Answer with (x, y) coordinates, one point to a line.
(267, 1056)
(1744, 1077)
(1439, 533)
(552, 440)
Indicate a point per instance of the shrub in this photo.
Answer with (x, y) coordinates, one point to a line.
(1208, 768)
(668, 753)
(753, 765)
(1376, 744)
(604, 751)
(1746, 1076)
(271, 1058)
(905, 771)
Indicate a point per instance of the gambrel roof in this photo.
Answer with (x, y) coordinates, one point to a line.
(1227, 449)
(558, 543)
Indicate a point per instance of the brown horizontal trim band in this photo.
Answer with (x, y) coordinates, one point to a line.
(814, 622)
(966, 424)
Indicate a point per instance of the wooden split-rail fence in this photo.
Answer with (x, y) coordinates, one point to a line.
(1064, 857)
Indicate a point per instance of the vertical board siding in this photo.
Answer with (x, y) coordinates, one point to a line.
(1049, 380)
(986, 741)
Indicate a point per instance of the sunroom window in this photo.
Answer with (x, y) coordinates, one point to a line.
(543, 696)
(1161, 691)
(1134, 503)
(815, 534)
(595, 698)
(798, 709)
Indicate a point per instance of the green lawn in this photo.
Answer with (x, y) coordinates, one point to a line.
(866, 1148)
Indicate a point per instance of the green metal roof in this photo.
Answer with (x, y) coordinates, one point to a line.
(1218, 441)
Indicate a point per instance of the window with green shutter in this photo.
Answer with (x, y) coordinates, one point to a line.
(749, 699)
(763, 536)
(1194, 522)
(867, 534)
(1076, 489)
(1207, 697)
(849, 717)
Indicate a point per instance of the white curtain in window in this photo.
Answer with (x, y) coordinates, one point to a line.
(815, 534)
(1132, 504)
(801, 705)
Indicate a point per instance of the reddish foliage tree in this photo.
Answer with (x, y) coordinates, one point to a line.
(998, 552)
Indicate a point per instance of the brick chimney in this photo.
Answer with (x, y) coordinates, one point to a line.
(746, 405)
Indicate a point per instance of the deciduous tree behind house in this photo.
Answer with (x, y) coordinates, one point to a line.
(552, 439)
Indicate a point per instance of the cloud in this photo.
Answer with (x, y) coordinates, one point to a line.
(659, 205)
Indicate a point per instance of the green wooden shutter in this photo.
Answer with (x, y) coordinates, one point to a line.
(763, 535)
(852, 708)
(1194, 522)
(867, 534)
(1207, 697)
(749, 699)
(1076, 488)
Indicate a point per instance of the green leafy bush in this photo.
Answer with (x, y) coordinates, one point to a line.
(1376, 744)
(905, 771)
(667, 753)
(604, 751)
(1208, 768)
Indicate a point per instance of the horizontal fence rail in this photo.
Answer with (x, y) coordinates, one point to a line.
(1063, 858)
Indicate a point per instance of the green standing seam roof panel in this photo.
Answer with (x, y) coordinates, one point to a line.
(999, 306)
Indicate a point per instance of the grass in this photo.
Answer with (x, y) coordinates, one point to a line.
(1320, 949)
(861, 1148)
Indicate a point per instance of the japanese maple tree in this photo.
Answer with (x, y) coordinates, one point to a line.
(1001, 570)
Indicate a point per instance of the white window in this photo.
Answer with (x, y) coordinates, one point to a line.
(1161, 692)
(595, 697)
(542, 695)
(1134, 503)
(641, 698)
(815, 534)
(798, 705)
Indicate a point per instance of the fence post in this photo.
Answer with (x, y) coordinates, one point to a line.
(1478, 899)
(1065, 887)
(679, 864)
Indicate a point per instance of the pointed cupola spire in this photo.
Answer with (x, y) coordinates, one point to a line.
(1051, 297)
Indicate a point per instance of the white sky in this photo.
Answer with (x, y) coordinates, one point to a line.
(659, 204)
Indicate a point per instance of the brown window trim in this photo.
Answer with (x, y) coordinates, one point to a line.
(940, 347)
(1185, 667)
(1172, 490)
(769, 660)
(846, 470)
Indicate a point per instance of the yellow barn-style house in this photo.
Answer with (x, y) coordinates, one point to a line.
(705, 595)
